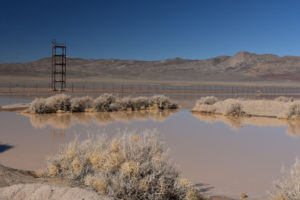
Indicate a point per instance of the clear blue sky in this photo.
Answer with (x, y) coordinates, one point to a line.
(148, 29)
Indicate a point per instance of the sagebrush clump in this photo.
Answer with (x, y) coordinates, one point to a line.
(104, 103)
(162, 102)
(39, 106)
(210, 100)
(51, 104)
(130, 167)
(288, 187)
(140, 103)
(234, 109)
(80, 104)
(294, 110)
(284, 99)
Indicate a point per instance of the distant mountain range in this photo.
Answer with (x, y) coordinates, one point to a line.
(243, 66)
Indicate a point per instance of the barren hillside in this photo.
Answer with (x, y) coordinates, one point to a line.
(243, 66)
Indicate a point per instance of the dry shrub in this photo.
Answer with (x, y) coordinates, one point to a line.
(125, 103)
(294, 110)
(102, 103)
(162, 102)
(140, 103)
(284, 99)
(79, 104)
(130, 167)
(51, 104)
(59, 102)
(108, 102)
(288, 187)
(39, 106)
(210, 100)
(234, 109)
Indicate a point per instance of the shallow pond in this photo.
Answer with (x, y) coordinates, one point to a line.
(226, 156)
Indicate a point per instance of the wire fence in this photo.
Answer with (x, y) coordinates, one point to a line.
(26, 91)
(95, 88)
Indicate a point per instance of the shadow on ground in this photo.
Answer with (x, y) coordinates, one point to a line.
(5, 147)
(203, 187)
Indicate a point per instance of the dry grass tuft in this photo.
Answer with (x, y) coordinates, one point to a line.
(288, 187)
(130, 167)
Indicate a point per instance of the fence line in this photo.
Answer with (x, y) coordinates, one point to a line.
(93, 88)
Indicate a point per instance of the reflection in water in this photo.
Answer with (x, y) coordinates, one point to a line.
(57, 121)
(238, 122)
(293, 128)
(205, 153)
(58, 134)
(65, 120)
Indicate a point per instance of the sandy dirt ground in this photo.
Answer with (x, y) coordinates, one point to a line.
(26, 185)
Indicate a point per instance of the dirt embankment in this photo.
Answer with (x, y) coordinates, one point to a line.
(26, 185)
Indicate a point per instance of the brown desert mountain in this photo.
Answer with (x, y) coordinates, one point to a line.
(243, 66)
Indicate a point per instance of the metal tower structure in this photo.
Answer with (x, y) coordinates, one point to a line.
(59, 63)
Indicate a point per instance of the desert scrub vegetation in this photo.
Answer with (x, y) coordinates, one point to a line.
(294, 110)
(234, 109)
(288, 187)
(284, 99)
(209, 100)
(51, 104)
(80, 104)
(251, 107)
(130, 167)
(162, 102)
(104, 103)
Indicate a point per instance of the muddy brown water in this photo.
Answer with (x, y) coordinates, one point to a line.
(227, 156)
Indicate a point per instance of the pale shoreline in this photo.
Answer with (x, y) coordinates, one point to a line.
(251, 108)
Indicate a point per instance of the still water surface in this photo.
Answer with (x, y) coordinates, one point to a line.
(228, 155)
